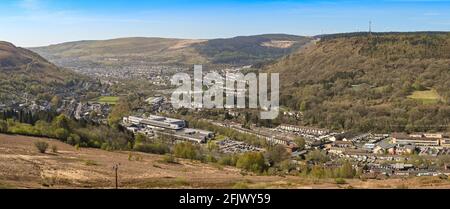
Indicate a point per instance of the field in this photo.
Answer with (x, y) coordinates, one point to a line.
(108, 100)
(427, 97)
(22, 166)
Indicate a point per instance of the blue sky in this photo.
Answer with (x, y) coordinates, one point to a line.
(42, 22)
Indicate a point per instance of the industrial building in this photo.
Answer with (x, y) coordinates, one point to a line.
(162, 126)
(421, 139)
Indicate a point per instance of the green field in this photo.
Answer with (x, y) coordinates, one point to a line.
(108, 100)
(427, 97)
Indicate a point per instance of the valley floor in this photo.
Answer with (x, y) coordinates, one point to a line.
(22, 166)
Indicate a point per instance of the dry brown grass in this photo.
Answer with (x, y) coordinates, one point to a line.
(22, 166)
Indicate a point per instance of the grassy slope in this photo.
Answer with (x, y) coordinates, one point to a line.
(21, 166)
(125, 49)
(240, 50)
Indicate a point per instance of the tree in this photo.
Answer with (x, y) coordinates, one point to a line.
(318, 172)
(347, 171)
(186, 150)
(303, 106)
(61, 134)
(73, 139)
(55, 102)
(300, 142)
(252, 161)
(317, 156)
(139, 139)
(120, 110)
(3, 127)
(277, 154)
(61, 122)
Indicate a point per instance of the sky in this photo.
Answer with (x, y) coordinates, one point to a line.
(30, 23)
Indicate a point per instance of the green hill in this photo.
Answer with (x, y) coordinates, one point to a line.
(370, 82)
(235, 51)
(250, 49)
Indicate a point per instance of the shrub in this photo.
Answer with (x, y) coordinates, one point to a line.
(169, 159)
(41, 146)
(340, 181)
(73, 139)
(91, 163)
(347, 171)
(3, 127)
(277, 154)
(229, 160)
(241, 185)
(186, 150)
(317, 156)
(54, 149)
(61, 134)
(156, 148)
(105, 146)
(210, 159)
(252, 161)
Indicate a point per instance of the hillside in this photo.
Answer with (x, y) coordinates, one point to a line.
(15, 60)
(379, 82)
(249, 50)
(22, 166)
(124, 50)
(25, 72)
(237, 51)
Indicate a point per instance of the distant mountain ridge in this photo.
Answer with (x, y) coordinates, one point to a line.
(251, 49)
(243, 50)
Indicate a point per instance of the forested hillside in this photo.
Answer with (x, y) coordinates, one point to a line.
(371, 82)
(26, 74)
(243, 50)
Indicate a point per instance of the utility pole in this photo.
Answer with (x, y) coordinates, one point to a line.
(116, 168)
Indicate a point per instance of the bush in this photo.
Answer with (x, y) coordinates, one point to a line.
(90, 163)
(229, 160)
(347, 171)
(241, 185)
(169, 159)
(210, 159)
(54, 149)
(156, 148)
(340, 181)
(317, 156)
(252, 161)
(41, 146)
(277, 154)
(61, 134)
(73, 139)
(3, 127)
(186, 150)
